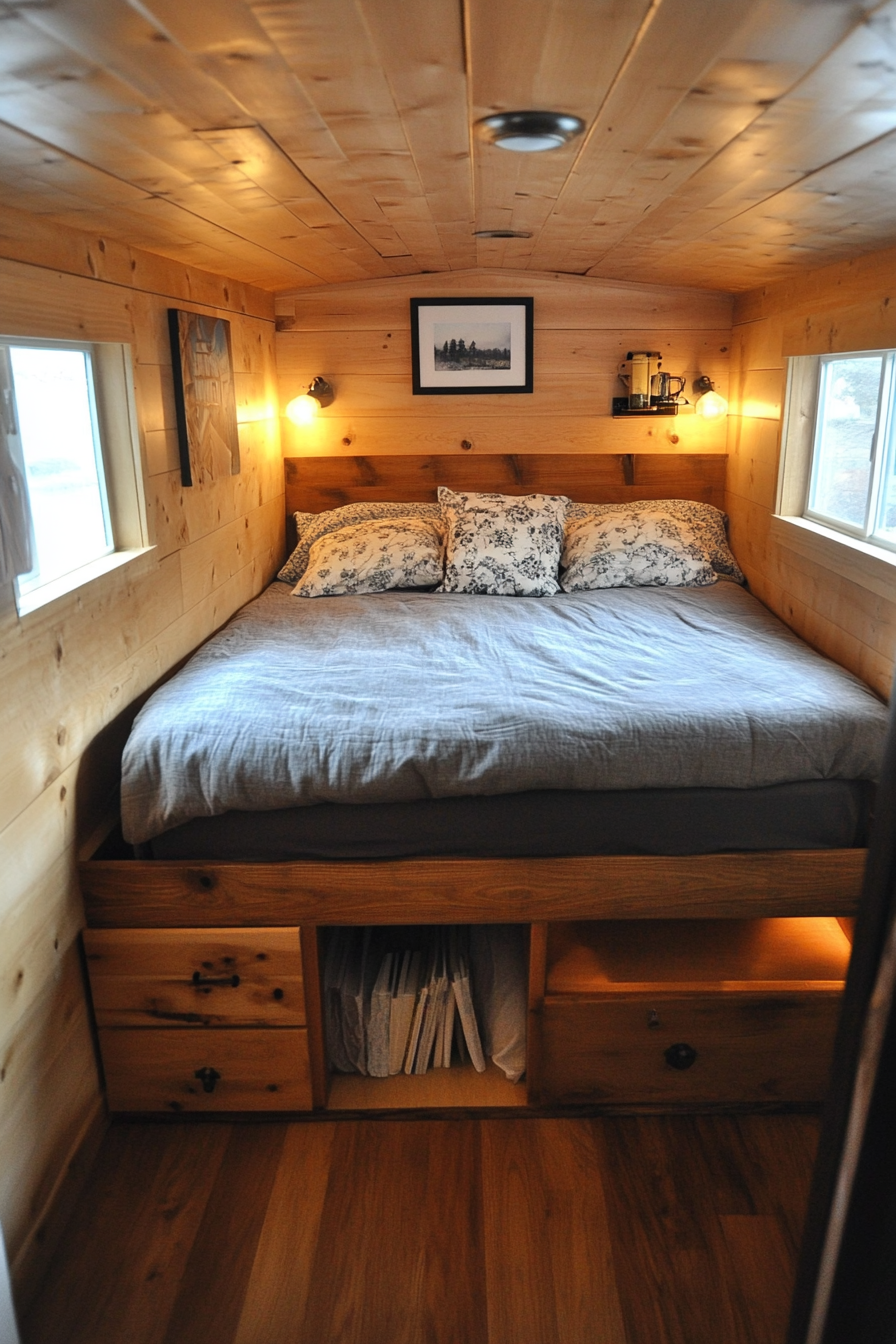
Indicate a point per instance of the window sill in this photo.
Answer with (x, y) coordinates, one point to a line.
(77, 578)
(868, 566)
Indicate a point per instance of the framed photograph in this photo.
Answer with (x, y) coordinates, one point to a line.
(461, 346)
(204, 397)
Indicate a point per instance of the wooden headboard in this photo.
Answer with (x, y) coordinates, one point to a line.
(317, 483)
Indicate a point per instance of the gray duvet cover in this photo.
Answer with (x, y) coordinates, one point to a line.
(401, 696)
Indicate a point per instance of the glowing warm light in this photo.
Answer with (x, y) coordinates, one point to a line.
(302, 410)
(710, 406)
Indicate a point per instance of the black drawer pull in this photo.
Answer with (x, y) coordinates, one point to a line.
(204, 982)
(680, 1056)
(207, 1077)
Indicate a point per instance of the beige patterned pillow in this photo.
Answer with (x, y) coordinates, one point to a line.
(633, 549)
(372, 557)
(502, 544)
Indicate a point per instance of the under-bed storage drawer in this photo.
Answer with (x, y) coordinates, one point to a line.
(192, 977)
(201, 1019)
(223, 1069)
(691, 1012)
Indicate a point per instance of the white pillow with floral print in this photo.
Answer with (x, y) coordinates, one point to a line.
(310, 527)
(633, 549)
(707, 522)
(372, 557)
(502, 544)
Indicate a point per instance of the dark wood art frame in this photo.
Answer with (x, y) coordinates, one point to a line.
(204, 395)
(480, 311)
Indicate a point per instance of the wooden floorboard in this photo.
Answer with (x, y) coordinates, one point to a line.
(435, 1230)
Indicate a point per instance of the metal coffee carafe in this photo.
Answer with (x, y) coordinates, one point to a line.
(665, 389)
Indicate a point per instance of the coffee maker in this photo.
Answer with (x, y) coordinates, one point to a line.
(637, 372)
(650, 391)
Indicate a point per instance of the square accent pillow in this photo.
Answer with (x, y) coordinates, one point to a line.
(374, 556)
(504, 545)
(707, 522)
(633, 549)
(310, 527)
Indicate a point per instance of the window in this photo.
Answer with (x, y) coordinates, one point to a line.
(74, 498)
(851, 480)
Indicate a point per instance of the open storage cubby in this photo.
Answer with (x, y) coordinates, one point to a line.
(363, 970)
(690, 1012)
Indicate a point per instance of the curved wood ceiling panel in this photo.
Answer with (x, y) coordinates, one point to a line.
(728, 142)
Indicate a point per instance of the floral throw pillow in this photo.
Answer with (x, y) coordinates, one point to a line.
(629, 549)
(502, 544)
(373, 557)
(707, 522)
(312, 526)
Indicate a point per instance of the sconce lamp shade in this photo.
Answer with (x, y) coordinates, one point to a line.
(302, 410)
(710, 404)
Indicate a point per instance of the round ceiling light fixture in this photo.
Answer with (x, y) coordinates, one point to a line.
(529, 132)
(501, 233)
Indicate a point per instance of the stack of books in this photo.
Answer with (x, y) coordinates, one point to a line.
(392, 1008)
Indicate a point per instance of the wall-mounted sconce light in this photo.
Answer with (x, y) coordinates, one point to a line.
(302, 410)
(710, 404)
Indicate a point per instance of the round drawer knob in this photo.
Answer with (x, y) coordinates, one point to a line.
(207, 1077)
(680, 1056)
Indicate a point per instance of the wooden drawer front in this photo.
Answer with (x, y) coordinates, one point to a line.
(750, 1048)
(185, 977)
(260, 1069)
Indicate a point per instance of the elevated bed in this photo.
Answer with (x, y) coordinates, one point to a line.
(419, 758)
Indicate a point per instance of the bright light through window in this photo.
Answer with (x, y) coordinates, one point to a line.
(851, 486)
(55, 411)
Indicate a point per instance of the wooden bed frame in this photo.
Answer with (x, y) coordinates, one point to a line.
(132, 894)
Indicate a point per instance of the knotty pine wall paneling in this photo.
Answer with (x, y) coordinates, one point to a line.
(358, 337)
(70, 671)
(847, 306)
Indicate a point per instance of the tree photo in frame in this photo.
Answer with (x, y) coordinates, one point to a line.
(204, 396)
(463, 346)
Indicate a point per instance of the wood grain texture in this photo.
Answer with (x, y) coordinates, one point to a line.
(165, 894)
(358, 337)
(157, 1069)
(672, 1230)
(149, 977)
(839, 601)
(763, 1045)
(675, 1181)
(296, 149)
(316, 483)
(74, 670)
(143, 1208)
(549, 1259)
(422, 1229)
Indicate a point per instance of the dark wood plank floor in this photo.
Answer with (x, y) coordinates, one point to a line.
(622, 1230)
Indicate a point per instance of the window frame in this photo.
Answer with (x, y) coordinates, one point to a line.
(122, 485)
(882, 446)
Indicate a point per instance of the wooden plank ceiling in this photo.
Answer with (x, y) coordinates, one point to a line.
(305, 142)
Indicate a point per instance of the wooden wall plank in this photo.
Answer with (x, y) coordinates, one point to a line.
(73, 670)
(163, 894)
(834, 604)
(566, 302)
(315, 483)
(358, 337)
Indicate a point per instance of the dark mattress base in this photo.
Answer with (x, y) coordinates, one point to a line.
(819, 814)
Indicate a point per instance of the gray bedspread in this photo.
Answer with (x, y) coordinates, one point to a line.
(401, 696)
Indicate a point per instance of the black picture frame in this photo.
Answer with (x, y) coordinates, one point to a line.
(204, 396)
(502, 367)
